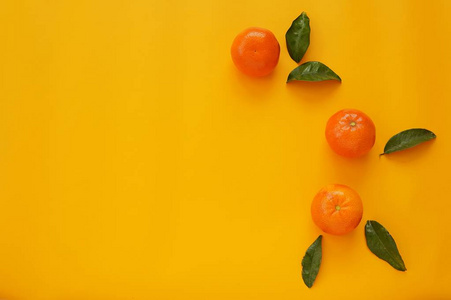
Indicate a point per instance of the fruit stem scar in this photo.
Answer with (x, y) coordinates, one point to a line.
(337, 207)
(352, 124)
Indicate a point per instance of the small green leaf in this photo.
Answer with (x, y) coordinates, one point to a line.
(311, 262)
(298, 37)
(313, 71)
(381, 243)
(407, 139)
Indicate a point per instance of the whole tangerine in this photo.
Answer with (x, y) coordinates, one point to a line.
(350, 133)
(255, 51)
(337, 209)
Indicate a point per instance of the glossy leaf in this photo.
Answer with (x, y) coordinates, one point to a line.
(313, 71)
(407, 139)
(298, 37)
(311, 262)
(382, 244)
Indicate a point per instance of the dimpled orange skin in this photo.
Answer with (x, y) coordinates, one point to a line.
(350, 133)
(337, 209)
(255, 51)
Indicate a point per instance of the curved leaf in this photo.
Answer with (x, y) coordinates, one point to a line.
(311, 262)
(381, 243)
(407, 139)
(298, 37)
(313, 71)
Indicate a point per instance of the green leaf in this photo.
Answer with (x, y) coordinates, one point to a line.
(381, 243)
(298, 37)
(407, 139)
(311, 262)
(313, 71)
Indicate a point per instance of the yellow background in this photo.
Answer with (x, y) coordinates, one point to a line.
(136, 162)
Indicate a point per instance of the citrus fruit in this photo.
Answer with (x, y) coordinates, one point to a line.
(350, 133)
(337, 209)
(255, 51)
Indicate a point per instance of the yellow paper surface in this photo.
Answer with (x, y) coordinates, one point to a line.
(136, 162)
